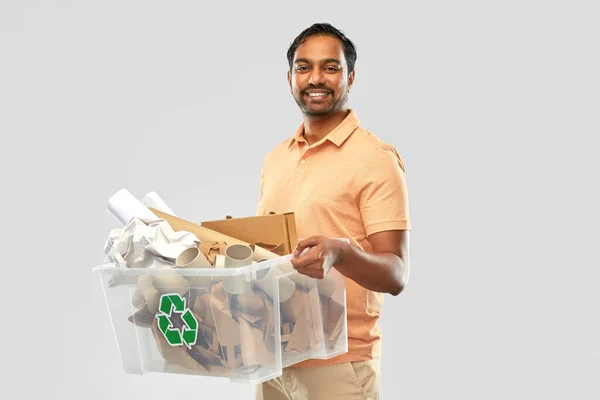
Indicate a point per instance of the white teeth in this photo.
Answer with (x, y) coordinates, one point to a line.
(317, 94)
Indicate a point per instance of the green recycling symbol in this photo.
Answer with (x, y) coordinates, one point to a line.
(174, 302)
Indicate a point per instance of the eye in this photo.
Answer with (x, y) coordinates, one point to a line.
(331, 69)
(302, 68)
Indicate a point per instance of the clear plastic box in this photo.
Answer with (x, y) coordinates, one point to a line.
(244, 324)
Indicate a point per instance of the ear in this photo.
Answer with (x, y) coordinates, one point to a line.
(351, 79)
(289, 78)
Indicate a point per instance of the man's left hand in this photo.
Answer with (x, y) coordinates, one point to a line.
(322, 253)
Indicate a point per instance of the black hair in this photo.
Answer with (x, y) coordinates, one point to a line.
(324, 29)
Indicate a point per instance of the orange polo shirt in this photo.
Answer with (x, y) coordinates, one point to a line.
(349, 185)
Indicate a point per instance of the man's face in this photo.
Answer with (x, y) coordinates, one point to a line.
(319, 79)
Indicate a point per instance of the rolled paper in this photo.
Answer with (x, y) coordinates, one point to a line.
(137, 298)
(124, 206)
(287, 287)
(168, 282)
(326, 286)
(236, 256)
(152, 297)
(151, 199)
(250, 302)
(192, 258)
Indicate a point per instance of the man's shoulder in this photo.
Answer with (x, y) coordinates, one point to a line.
(370, 145)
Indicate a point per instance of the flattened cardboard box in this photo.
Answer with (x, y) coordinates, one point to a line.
(275, 232)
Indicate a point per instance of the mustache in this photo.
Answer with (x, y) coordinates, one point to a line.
(313, 87)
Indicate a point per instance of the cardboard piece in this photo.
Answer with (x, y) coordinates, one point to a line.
(219, 261)
(250, 302)
(207, 235)
(333, 319)
(211, 249)
(268, 325)
(254, 351)
(174, 355)
(251, 318)
(299, 339)
(285, 339)
(286, 329)
(202, 309)
(143, 318)
(298, 320)
(212, 340)
(295, 308)
(227, 328)
(208, 359)
(275, 232)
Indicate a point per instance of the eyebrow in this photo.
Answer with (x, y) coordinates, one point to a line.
(325, 61)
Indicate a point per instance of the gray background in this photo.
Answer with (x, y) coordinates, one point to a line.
(494, 107)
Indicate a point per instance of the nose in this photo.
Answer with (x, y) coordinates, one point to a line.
(316, 77)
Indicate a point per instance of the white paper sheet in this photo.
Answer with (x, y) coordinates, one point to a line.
(147, 243)
(124, 206)
(152, 200)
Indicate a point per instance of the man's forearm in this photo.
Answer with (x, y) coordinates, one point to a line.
(380, 272)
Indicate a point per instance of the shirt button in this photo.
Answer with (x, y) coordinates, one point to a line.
(302, 161)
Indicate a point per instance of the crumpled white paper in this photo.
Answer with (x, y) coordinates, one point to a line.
(146, 243)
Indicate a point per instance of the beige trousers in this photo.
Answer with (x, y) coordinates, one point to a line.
(356, 380)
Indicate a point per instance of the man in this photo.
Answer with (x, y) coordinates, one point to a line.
(341, 181)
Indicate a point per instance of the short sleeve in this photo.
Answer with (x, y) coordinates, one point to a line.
(382, 194)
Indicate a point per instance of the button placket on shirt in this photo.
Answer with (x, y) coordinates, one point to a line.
(303, 154)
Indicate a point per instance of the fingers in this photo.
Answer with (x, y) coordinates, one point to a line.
(313, 255)
(314, 270)
(311, 263)
(303, 244)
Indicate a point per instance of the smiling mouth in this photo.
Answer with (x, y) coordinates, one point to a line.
(317, 95)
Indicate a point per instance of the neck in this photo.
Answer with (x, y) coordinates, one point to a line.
(316, 128)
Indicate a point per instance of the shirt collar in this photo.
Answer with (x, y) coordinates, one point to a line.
(337, 136)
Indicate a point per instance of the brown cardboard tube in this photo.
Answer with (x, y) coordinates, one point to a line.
(208, 235)
(137, 298)
(251, 302)
(192, 258)
(170, 283)
(152, 297)
(286, 285)
(326, 285)
(236, 256)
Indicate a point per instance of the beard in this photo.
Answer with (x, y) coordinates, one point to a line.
(321, 109)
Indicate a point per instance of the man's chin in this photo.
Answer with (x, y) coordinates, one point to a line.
(317, 111)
